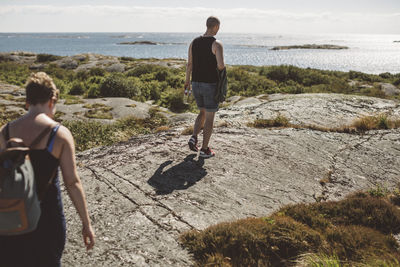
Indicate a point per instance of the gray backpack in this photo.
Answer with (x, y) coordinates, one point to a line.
(19, 202)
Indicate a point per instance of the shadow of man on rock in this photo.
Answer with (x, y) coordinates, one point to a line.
(178, 177)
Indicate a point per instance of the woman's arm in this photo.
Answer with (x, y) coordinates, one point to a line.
(73, 184)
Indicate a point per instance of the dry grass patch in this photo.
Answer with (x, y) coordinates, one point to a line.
(131, 106)
(360, 125)
(95, 105)
(252, 242)
(264, 97)
(224, 105)
(99, 114)
(356, 231)
(163, 128)
(187, 131)
(278, 121)
(222, 124)
(58, 115)
(378, 122)
(327, 179)
(98, 111)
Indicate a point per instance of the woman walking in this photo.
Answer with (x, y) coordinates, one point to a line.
(44, 246)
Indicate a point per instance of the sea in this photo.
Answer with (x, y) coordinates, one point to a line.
(367, 53)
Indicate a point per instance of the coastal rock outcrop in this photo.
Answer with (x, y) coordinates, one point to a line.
(145, 192)
(390, 89)
(67, 63)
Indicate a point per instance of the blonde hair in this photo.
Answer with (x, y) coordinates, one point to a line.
(40, 88)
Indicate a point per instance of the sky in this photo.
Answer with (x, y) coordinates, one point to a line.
(237, 16)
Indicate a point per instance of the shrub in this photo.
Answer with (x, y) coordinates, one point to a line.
(386, 75)
(46, 58)
(173, 99)
(152, 90)
(143, 69)
(96, 71)
(82, 75)
(356, 75)
(77, 88)
(276, 73)
(61, 85)
(62, 74)
(13, 73)
(242, 82)
(116, 85)
(93, 91)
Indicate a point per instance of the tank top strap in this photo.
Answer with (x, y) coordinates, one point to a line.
(50, 142)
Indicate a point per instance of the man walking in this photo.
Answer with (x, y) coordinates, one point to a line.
(205, 56)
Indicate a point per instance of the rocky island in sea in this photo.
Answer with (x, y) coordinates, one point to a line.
(146, 43)
(306, 138)
(310, 46)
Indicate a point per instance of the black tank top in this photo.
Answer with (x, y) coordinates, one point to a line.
(204, 61)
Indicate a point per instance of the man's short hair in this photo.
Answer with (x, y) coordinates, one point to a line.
(212, 22)
(40, 88)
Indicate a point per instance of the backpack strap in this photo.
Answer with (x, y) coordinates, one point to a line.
(40, 136)
(6, 134)
(50, 142)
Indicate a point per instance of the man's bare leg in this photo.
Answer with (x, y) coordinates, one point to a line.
(208, 128)
(199, 123)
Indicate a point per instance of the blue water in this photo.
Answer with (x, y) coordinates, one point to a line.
(367, 53)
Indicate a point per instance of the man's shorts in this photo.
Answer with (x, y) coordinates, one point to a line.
(204, 95)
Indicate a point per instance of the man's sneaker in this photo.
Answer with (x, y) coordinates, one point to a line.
(193, 143)
(206, 153)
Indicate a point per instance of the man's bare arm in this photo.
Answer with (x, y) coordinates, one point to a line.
(189, 68)
(218, 50)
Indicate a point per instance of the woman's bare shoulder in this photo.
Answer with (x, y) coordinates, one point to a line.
(65, 134)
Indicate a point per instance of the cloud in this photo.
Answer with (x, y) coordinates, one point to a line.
(109, 10)
(162, 18)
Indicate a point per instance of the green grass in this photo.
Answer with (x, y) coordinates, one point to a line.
(7, 116)
(72, 100)
(90, 134)
(145, 81)
(9, 97)
(98, 114)
(355, 231)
